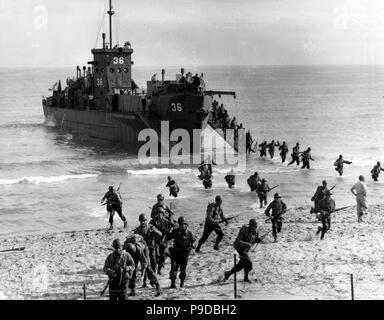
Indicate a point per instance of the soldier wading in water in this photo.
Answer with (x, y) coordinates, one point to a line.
(247, 237)
(114, 205)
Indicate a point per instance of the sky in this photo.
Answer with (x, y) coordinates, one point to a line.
(57, 33)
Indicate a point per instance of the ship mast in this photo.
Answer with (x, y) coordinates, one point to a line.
(111, 13)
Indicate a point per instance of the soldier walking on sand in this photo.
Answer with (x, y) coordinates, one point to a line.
(262, 192)
(119, 267)
(278, 208)
(359, 190)
(325, 207)
(212, 223)
(183, 243)
(114, 205)
(247, 237)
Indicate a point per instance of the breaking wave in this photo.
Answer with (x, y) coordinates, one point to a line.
(40, 179)
(160, 171)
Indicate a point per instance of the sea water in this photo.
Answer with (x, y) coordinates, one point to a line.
(52, 180)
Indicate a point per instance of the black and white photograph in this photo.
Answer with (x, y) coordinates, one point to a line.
(160, 150)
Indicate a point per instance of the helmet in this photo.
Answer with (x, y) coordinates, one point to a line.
(324, 182)
(255, 174)
(297, 143)
(253, 222)
(263, 180)
(340, 156)
(116, 244)
(309, 149)
(218, 199)
(277, 196)
(160, 197)
(142, 217)
(110, 188)
(181, 221)
(378, 163)
(361, 178)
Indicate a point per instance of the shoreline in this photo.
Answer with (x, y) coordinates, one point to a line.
(298, 266)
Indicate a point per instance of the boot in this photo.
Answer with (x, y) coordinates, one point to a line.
(227, 274)
(246, 278)
(144, 284)
(158, 290)
(216, 246)
(159, 270)
(197, 249)
(125, 224)
(132, 293)
(111, 227)
(173, 284)
(181, 283)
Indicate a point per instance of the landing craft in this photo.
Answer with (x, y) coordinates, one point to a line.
(103, 100)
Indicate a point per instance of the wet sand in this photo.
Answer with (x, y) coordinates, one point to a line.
(298, 266)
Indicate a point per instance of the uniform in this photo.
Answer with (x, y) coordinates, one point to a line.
(253, 182)
(283, 152)
(271, 148)
(230, 179)
(262, 191)
(207, 180)
(173, 188)
(140, 254)
(119, 270)
(278, 208)
(114, 205)
(183, 243)
(339, 164)
(306, 156)
(319, 194)
(375, 172)
(361, 198)
(161, 209)
(214, 215)
(295, 155)
(150, 233)
(325, 206)
(243, 243)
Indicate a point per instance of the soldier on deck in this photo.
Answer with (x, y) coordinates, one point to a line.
(254, 181)
(320, 193)
(173, 187)
(247, 237)
(278, 208)
(295, 154)
(150, 234)
(375, 172)
(113, 205)
(212, 223)
(283, 151)
(119, 267)
(183, 243)
(230, 179)
(339, 164)
(325, 207)
(262, 192)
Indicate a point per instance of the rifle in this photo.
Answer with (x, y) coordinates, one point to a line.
(339, 209)
(261, 238)
(227, 219)
(270, 189)
(105, 288)
(333, 187)
(14, 249)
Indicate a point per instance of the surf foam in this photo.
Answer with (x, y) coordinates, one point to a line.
(40, 179)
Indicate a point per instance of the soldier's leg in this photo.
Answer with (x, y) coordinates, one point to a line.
(220, 235)
(324, 227)
(173, 272)
(152, 257)
(274, 229)
(119, 211)
(247, 262)
(183, 268)
(162, 248)
(206, 233)
(113, 291)
(111, 214)
(238, 267)
(279, 225)
(123, 291)
(132, 280)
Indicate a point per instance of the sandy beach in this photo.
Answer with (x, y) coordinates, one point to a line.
(298, 266)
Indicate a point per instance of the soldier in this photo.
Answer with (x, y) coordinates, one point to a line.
(278, 208)
(375, 172)
(207, 180)
(212, 223)
(295, 154)
(114, 205)
(263, 149)
(139, 252)
(359, 190)
(262, 191)
(173, 187)
(283, 151)
(325, 207)
(230, 178)
(254, 181)
(306, 156)
(119, 267)
(339, 164)
(164, 225)
(161, 208)
(271, 148)
(150, 234)
(183, 243)
(320, 193)
(247, 237)
(249, 142)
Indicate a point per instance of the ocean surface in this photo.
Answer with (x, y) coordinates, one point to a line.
(51, 180)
